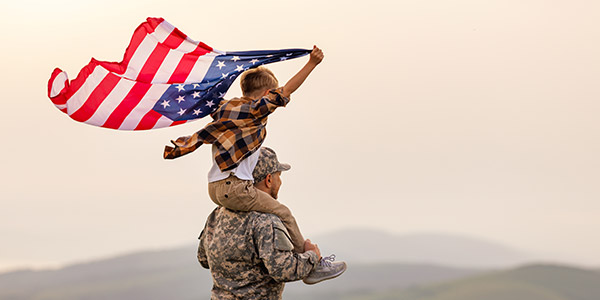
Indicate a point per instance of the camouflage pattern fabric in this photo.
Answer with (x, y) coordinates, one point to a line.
(250, 255)
(267, 164)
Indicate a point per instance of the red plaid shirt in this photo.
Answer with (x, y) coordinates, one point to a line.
(238, 130)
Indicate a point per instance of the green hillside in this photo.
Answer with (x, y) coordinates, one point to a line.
(536, 282)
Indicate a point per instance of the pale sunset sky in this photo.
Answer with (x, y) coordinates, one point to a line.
(468, 117)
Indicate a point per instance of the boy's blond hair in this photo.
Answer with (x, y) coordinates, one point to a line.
(256, 80)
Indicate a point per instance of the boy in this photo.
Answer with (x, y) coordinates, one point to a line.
(237, 133)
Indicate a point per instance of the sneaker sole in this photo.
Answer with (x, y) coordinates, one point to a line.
(327, 278)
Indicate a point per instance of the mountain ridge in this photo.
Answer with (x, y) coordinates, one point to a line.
(370, 246)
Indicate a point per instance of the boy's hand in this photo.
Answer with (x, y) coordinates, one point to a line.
(180, 141)
(316, 56)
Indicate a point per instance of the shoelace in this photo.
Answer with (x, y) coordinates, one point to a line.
(327, 260)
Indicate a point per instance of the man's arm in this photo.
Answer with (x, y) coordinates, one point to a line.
(202, 258)
(205, 237)
(316, 56)
(275, 249)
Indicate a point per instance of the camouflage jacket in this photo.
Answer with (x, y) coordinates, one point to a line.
(250, 255)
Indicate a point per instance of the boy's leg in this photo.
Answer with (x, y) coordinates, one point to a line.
(232, 193)
(212, 192)
(265, 203)
(237, 194)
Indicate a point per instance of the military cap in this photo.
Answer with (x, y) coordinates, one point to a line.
(267, 164)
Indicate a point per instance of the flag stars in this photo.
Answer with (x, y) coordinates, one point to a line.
(224, 75)
(181, 111)
(283, 58)
(196, 94)
(165, 103)
(180, 99)
(180, 87)
(221, 95)
(210, 103)
(235, 58)
(195, 85)
(197, 112)
(254, 61)
(239, 68)
(220, 64)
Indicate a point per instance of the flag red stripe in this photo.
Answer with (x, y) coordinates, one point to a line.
(157, 57)
(152, 64)
(76, 83)
(57, 99)
(130, 101)
(178, 122)
(146, 75)
(96, 98)
(139, 34)
(185, 66)
(149, 120)
(175, 39)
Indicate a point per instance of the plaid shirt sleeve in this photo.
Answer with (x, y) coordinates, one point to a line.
(238, 130)
(264, 106)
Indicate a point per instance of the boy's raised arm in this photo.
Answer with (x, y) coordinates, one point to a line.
(316, 56)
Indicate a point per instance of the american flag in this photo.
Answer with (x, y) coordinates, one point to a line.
(165, 79)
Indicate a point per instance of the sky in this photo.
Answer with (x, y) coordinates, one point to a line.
(475, 118)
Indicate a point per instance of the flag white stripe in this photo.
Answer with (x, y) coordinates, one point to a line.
(111, 102)
(201, 67)
(139, 57)
(58, 84)
(163, 122)
(81, 96)
(188, 45)
(168, 66)
(144, 106)
(143, 51)
(162, 31)
(172, 60)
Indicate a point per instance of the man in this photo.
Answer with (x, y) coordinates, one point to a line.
(250, 254)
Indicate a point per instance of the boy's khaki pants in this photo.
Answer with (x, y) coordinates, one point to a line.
(241, 195)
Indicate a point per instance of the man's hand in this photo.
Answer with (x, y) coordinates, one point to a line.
(308, 246)
(316, 56)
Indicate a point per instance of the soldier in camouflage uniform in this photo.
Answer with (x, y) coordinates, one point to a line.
(250, 254)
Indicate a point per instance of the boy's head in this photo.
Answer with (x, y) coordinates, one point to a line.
(255, 82)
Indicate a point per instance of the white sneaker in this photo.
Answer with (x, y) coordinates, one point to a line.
(326, 269)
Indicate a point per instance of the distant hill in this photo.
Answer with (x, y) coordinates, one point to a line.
(168, 274)
(372, 246)
(360, 279)
(534, 282)
(378, 261)
(176, 275)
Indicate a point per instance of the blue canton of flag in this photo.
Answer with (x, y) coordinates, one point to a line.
(181, 102)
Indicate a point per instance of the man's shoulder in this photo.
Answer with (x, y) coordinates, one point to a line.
(266, 218)
(255, 216)
(259, 219)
